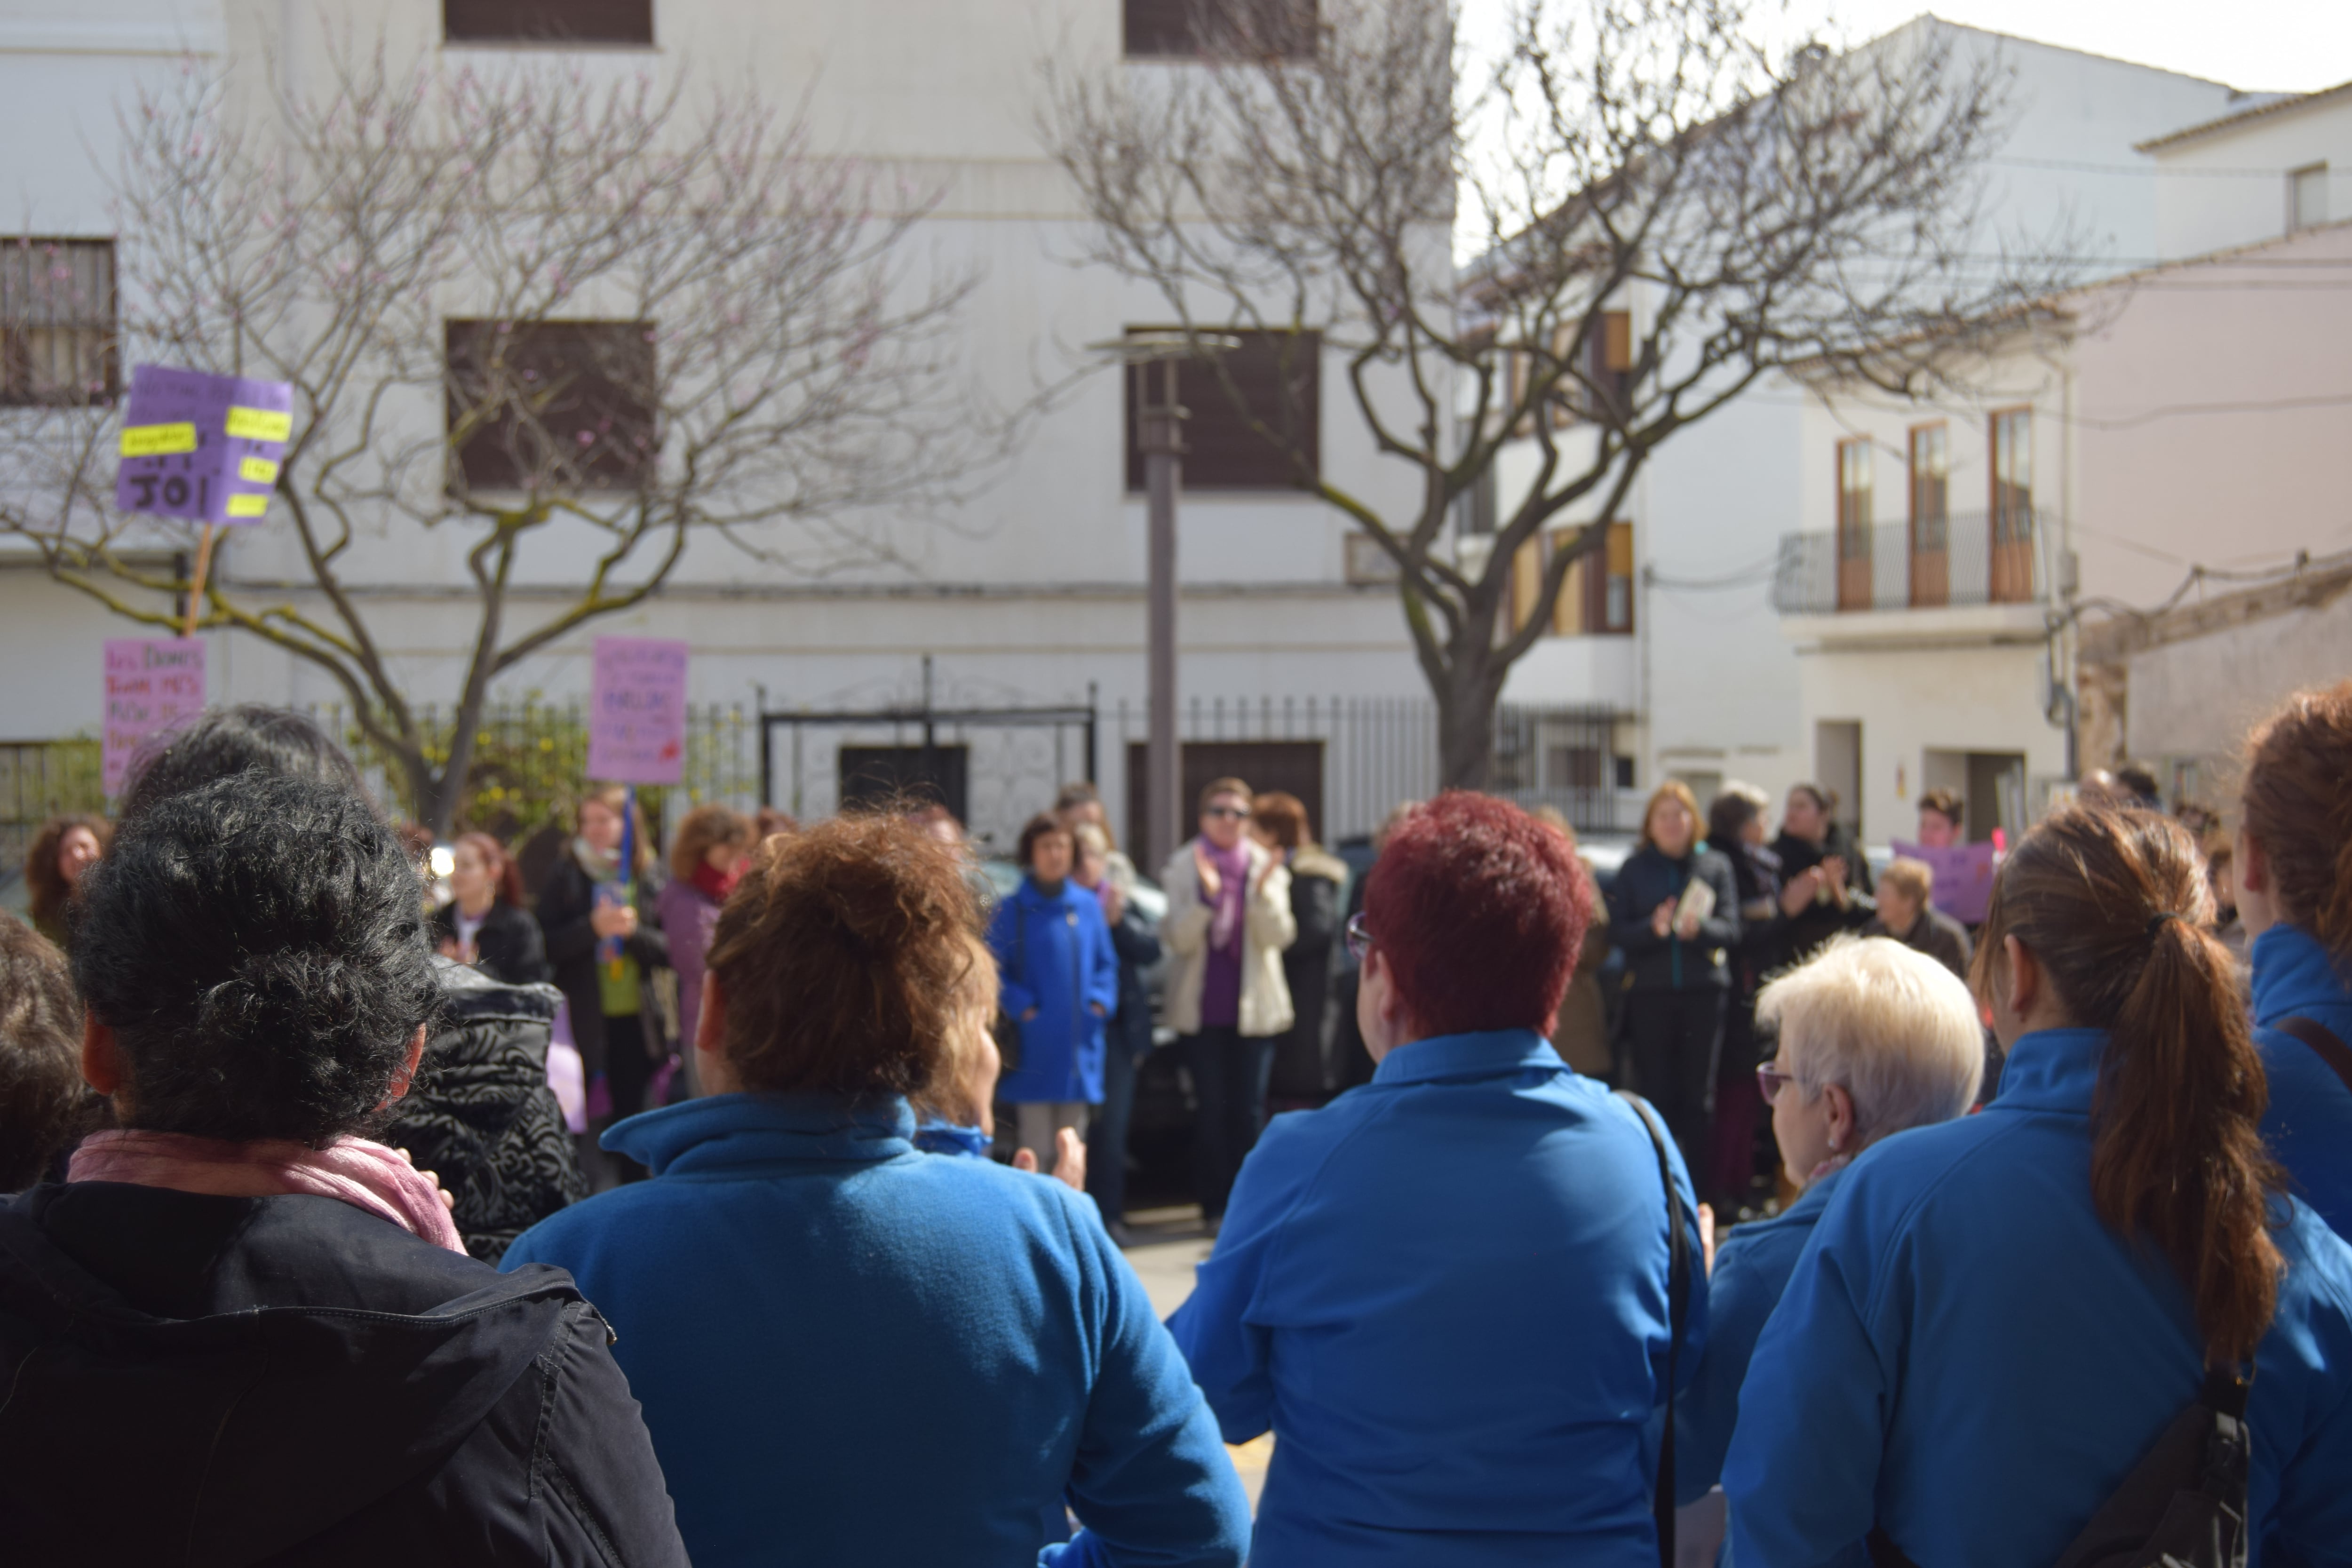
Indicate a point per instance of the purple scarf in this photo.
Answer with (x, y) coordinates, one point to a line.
(1232, 889)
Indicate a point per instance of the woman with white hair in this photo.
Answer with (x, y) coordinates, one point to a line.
(1874, 1037)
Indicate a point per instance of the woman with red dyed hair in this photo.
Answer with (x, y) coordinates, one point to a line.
(1449, 1292)
(2293, 864)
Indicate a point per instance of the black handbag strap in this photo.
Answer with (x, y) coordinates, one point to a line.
(2322, 1040)
(1677, 1314)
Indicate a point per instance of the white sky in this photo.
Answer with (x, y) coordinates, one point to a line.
(2261, 46)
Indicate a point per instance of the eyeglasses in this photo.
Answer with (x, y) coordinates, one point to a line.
(1771, 1081)
(1360, 937)
(1239, 812)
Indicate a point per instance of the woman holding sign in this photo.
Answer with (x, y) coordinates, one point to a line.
(593, 909)
(1674, 912)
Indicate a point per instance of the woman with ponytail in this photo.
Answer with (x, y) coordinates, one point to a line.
(243, 1329)
(2294, 865)
(1998, 1317)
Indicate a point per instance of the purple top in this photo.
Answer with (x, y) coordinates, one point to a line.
(1221, 981)
(688, 916)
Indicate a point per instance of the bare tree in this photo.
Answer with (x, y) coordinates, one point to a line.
(574, 325)
(1666, 211)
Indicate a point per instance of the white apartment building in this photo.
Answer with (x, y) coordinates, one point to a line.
(1697, 654)
(1029, 593)
(2130, 537)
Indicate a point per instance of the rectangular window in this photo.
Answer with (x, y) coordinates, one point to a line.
(551, 406)
(552, 22)
(57, 323)
(1596, 597)
(1278, 378)
(1931, 475)
(1259, 29)
(1609, 584)
(1600, 383)
(1854, 524)
(2306, 199)
(2011, 506)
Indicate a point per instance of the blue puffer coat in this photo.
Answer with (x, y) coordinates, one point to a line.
(1055, 955)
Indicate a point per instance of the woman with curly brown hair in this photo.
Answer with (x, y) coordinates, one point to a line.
(2018, 1308)
(2294, 872)
(849, 1351)
(64, 848)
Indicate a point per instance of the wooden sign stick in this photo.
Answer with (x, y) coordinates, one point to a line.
(196, 581)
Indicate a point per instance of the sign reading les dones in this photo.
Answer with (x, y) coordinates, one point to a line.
(153, 685)
(1963, 887)
(200, 447)
(636, 722)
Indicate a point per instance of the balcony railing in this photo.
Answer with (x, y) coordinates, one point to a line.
(1967, 558)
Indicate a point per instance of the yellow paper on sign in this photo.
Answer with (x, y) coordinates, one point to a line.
(248, 506)
(257, 470)
(157, 440)
(260, 424)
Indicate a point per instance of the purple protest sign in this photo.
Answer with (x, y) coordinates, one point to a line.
(636, 719)
(204, 447)
(1963, 877)
(153, 685)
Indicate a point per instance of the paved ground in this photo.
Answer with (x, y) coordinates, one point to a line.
(1171, 1242)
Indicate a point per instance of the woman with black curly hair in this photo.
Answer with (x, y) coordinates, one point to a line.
(240, 1299)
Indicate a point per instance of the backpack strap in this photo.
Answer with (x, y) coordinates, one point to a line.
(2323, 1040)
(1678, 1287)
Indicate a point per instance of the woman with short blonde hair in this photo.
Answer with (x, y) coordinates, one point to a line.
(1874, 1038)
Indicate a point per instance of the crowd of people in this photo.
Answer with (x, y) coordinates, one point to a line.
(312, 1262)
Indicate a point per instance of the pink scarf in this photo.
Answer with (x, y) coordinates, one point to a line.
(352, 1170)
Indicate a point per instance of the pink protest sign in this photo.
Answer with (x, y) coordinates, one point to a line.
(1963, 877)
(153, 685)
(204, 447)
(636, 721)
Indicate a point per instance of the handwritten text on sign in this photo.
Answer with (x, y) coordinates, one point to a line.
(204, 447)
(637, 723)
(154, 685)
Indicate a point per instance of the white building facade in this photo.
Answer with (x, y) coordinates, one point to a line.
(1029, 593)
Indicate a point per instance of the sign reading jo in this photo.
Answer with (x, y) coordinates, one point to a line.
(154, 685)
(204, 447)
(636, 719)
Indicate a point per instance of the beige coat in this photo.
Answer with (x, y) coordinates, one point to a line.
(1267, 928)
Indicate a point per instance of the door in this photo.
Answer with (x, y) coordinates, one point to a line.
(1931, 564)
(2011, 580)
(1854, 525)
(886, 775)
(1295, 767)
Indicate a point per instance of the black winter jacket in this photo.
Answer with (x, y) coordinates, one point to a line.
(1817, 922)
(565, 902)
(1302, 1054)
(482, 1116)
(290, 1380)
(507, 941)
(1137, 947)
(1654, 963)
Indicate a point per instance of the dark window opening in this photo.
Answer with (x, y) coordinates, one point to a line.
(880, 777)
(56, 323)
(548, 21)
(551, 406)
(1278, 378)
(1241, 29)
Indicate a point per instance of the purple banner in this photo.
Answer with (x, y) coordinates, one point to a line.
(199, 447)
(153, 685)
(636, 721)
(1963, 877)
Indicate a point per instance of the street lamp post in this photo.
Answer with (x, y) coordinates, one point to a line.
(1160, 434)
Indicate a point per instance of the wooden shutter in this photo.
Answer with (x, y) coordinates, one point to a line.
(1569, 616)
(1617, 339)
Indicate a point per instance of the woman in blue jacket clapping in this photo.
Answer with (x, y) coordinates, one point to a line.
(2294, 862)
(1996, 1318)
(1060, 976)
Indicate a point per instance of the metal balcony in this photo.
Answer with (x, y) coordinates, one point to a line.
(1968, 558)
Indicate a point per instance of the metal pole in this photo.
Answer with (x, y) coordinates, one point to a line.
(1161, 438)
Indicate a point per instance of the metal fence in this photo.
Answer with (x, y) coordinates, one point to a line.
(1968, 558)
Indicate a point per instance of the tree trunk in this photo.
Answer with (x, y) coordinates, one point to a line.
(1466, 700)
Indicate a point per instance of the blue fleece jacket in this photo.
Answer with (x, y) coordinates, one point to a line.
(1966, 1355)
(1751, 1268)
(1054, 954)
(2309, 1123)
(849, 1352)
(1445, 1293)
